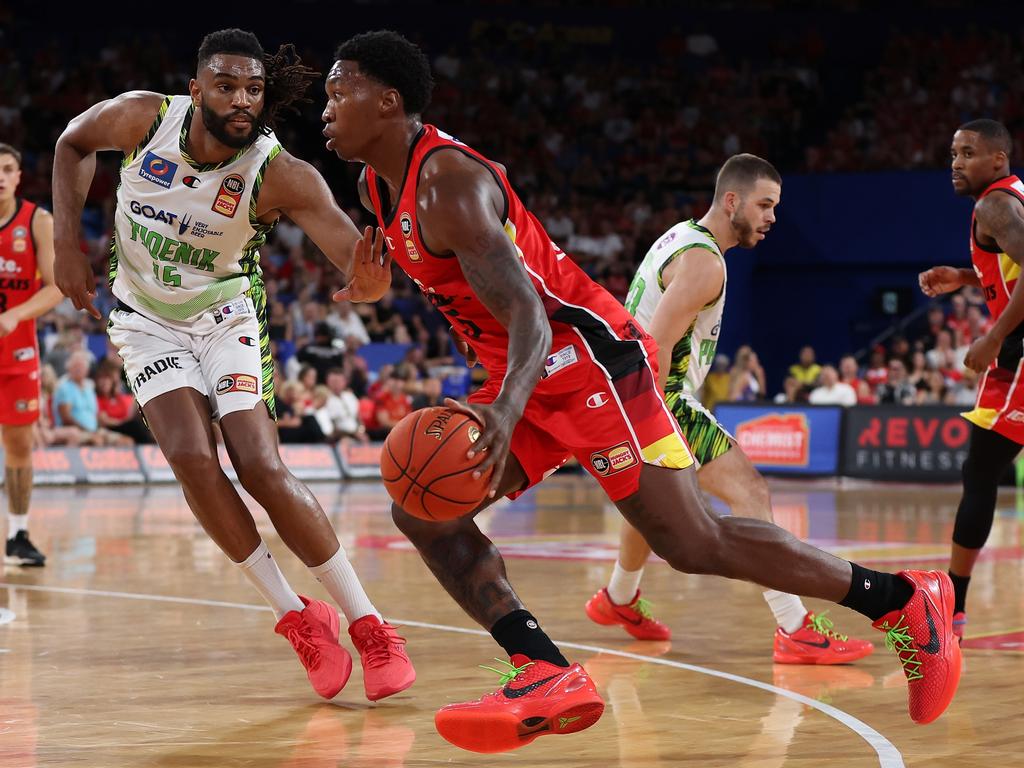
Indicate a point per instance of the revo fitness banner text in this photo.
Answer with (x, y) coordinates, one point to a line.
(895, 443)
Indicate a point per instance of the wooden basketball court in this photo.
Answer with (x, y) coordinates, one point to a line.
(140, 645)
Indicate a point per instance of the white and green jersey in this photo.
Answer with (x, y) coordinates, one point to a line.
(186, 238)
(694, 353)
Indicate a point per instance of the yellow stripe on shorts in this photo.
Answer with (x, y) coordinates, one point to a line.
(670, 451)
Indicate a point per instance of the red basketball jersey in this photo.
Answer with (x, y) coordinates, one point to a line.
(997, 271)
(582, 313)
(19, 281)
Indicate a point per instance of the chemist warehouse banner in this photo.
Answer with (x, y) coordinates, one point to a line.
(790, 440)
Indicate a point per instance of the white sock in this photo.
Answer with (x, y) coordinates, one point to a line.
(16, 523)
(788, 609)
(342, 584)
(623, 585)
(262, 571)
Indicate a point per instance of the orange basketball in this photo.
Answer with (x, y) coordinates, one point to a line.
(424, 465)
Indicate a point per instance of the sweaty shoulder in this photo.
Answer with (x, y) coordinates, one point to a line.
(452, 182)
(458, 201)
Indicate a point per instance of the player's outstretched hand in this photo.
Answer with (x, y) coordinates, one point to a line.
(73, 274)
(464, 347)
(371, 269)
(498, 421)
(939, 280)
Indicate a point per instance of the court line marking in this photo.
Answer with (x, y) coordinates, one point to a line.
(888, 755)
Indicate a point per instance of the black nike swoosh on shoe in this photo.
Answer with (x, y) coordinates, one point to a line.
(824, 644)
(515, 693)
(933, 645)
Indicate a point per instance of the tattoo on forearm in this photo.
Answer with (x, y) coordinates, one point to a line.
(18, 482)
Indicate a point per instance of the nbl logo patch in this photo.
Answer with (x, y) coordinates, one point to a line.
(229, 195)
(237, 382)
(158, 170)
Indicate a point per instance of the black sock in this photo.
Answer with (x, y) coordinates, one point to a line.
(519, 632)
(874, 594)
(960, 584)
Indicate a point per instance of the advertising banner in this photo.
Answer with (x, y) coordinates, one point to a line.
(359, 460)
(922, 443)
(794, 440)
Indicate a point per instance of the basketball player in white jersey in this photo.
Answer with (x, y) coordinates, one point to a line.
(203, 181)
(678, 295)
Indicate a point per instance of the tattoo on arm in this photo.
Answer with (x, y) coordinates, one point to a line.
(1003, 219)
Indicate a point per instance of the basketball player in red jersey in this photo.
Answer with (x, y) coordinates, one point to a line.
(981, 169)
(27, 291)
(570, 374)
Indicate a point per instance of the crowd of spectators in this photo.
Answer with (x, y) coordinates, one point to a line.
(923, 366)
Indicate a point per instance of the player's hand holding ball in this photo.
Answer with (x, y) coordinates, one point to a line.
(498, 421)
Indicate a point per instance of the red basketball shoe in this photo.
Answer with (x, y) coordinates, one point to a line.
(536, 698)
(817, 643)
(635, 617)
(386, 666)
(313, 634)
(959, 625)
(921, 633)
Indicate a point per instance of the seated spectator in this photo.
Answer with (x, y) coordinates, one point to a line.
(897, 389)
(931, 389)
(347, 325)
(279, 323)
(964, 392)
(936, 322)
(48, 433)
(747, 383)
(75, 405)
(390, 405)
(807, 370)
(978, 323)
(849, 374)
(792, 392)
(945, 357)
(958, 322)
(323, 352)
(877, 372)
(900, 348)
(832, 391)
(716, 383)
(919, 368)
(339, 416)
(293, 425)
(118, 410)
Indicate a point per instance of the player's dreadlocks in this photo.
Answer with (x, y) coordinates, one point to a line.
(287, 78)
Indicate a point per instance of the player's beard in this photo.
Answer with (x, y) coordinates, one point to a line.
(744, 229)
(218, 128)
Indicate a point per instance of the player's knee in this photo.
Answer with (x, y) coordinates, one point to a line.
(979, 474)
(17, 445)
(191, 463)
(261, 475)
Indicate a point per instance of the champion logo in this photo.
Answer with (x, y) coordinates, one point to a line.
(597, 399)
(867, 584)
(531, 624)
(190, 181)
